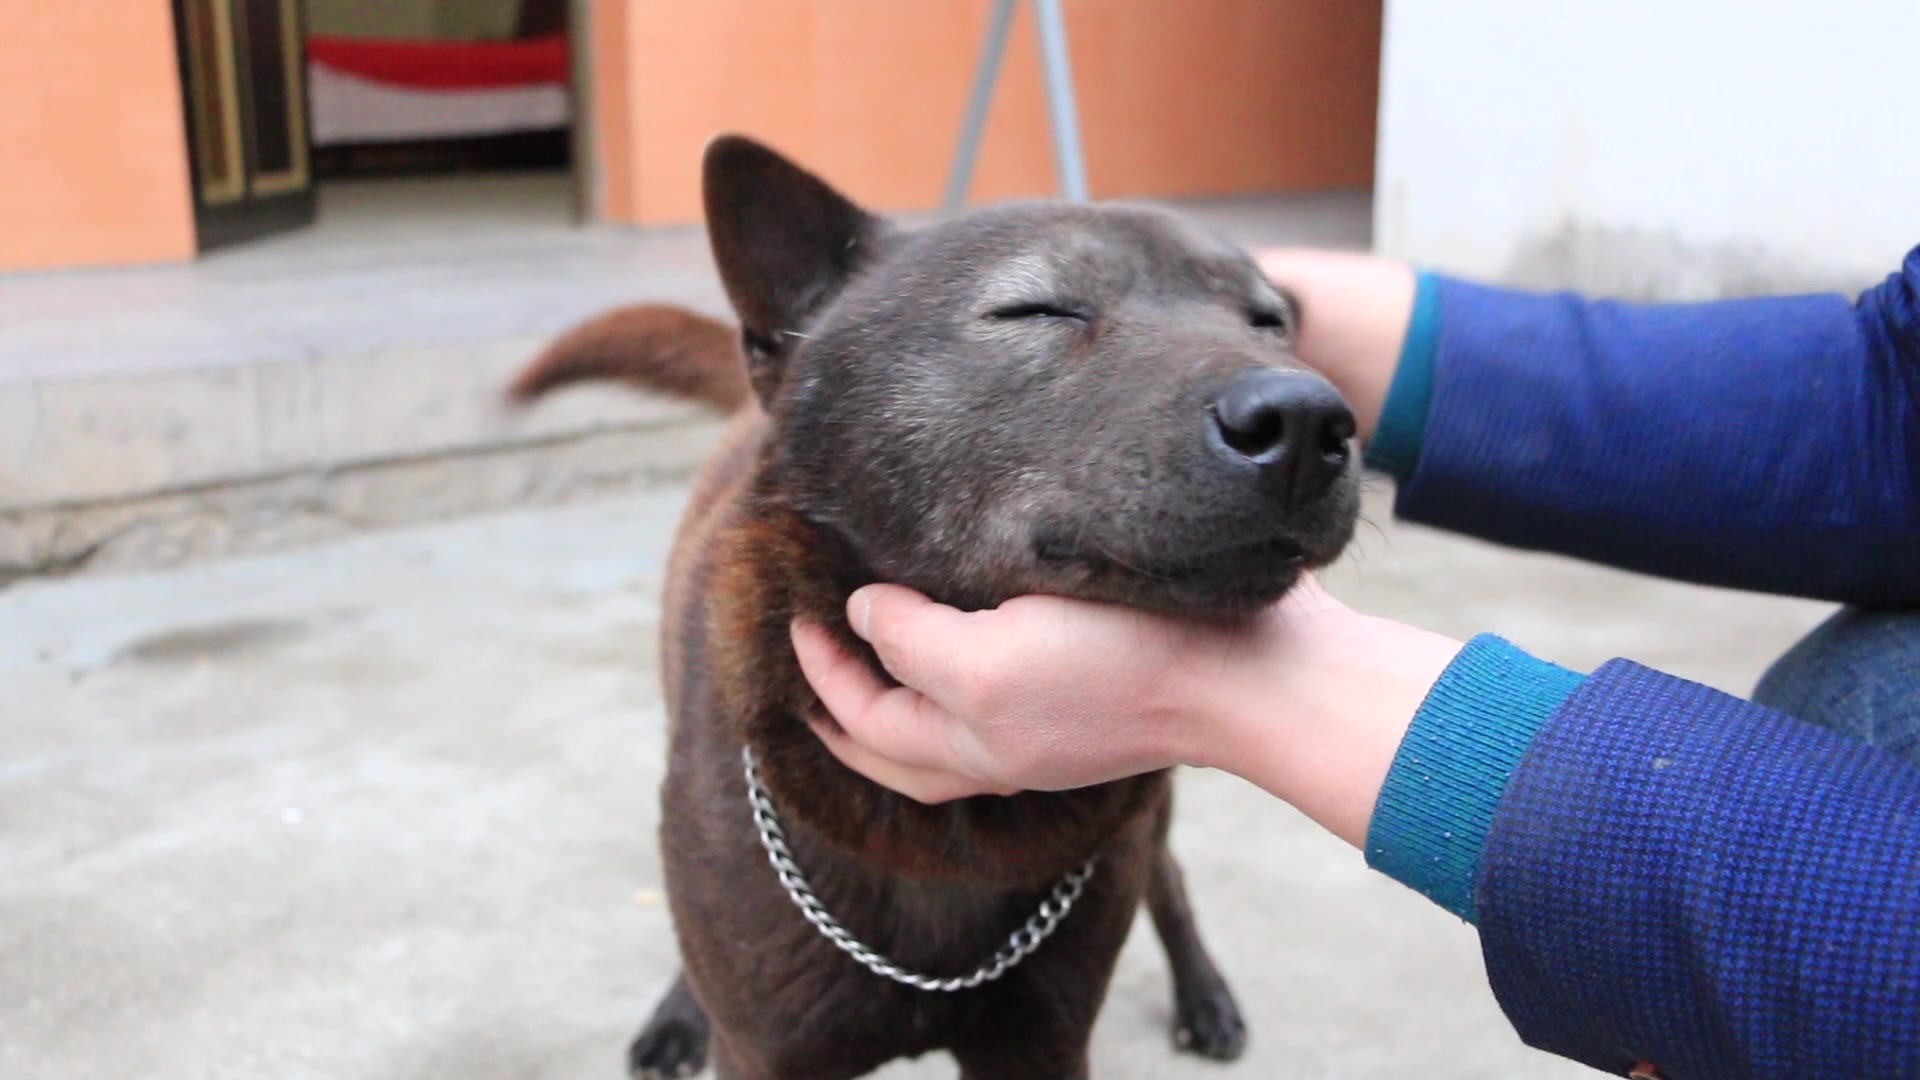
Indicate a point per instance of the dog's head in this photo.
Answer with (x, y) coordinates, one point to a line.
(1092, 401)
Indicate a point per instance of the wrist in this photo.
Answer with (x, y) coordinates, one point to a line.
(1318, 718)
(1437, 804)
(1395, 445)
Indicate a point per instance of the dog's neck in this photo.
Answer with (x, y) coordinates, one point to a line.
(841, 569)
(774, 565)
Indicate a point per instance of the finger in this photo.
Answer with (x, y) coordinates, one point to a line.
(923, 644)
(896, 723)
(844, 685)
(930, 786)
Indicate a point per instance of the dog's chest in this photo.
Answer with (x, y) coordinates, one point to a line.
(938, 928)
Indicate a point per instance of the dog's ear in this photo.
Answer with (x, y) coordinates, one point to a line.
(785, 243)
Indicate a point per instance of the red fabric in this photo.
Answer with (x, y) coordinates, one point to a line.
(446, 65)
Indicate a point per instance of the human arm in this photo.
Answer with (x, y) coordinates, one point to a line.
(1768, 444)
(1660, 872)
(1355, 321)
(1041, 681)
(1678, 876)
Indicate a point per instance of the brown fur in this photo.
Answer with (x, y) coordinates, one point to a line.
(939, 887)
(659, 349)
(1029, 400)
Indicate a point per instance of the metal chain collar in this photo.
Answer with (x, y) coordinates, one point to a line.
(1040, 925)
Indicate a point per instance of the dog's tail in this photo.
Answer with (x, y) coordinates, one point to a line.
(656, 347)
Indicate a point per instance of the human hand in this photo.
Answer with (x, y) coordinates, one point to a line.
(1308, 699)
(1354, 313)
(1040, 693)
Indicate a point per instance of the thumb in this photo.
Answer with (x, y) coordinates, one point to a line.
(921, 643)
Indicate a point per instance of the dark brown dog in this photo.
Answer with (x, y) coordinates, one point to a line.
(1093, 401)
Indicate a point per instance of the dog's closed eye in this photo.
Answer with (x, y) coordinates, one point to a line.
(1269, 319)
(1040, 309)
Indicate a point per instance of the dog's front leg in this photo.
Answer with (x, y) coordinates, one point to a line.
(674, 1042)
(1206, 1019)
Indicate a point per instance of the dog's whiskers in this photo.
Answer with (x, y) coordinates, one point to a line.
(1107, 553)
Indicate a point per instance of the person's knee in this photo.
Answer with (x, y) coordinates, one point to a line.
(1858, 673)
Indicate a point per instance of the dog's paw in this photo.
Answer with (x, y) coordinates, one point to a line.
(670, 1047)
(1208, 1024)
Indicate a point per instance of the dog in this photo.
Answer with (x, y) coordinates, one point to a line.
(1097, 401)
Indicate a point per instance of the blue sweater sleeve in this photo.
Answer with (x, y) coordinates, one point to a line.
(1433, 813)
(1768, 444)
(1663, 873)
(1677, 876)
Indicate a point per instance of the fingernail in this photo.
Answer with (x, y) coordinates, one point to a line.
(860, 611)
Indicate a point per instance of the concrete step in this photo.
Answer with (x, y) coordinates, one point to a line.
(158, 467)
(337, 379)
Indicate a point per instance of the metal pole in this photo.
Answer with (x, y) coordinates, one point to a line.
(974, 126)
(1060, 104)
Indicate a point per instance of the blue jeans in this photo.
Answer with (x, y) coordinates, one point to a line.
(1858, 673)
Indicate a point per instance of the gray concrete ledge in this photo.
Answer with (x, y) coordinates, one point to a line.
(74, 442)
(154, 468)
(310, 505)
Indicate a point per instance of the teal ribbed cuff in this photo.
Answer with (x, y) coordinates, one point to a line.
(1395, 446)
(1431, 822)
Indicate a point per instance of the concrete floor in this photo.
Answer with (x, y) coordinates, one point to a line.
(384, 810)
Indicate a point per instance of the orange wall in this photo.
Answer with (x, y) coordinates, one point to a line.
(93, 158)
(1198, 97)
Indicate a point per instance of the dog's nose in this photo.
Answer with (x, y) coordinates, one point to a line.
(1292, 424)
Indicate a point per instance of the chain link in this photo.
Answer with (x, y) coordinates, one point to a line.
(1039, 926)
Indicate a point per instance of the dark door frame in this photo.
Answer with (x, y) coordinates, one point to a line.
(245, 202)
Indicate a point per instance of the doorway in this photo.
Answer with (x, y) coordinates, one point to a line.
(323, 112)
(244, 81)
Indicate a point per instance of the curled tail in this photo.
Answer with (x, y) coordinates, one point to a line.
(656, 347)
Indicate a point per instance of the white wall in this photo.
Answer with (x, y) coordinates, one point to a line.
(1683, 149)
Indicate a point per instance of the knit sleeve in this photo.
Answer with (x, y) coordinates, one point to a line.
(1679, 877)
(1767, 444)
